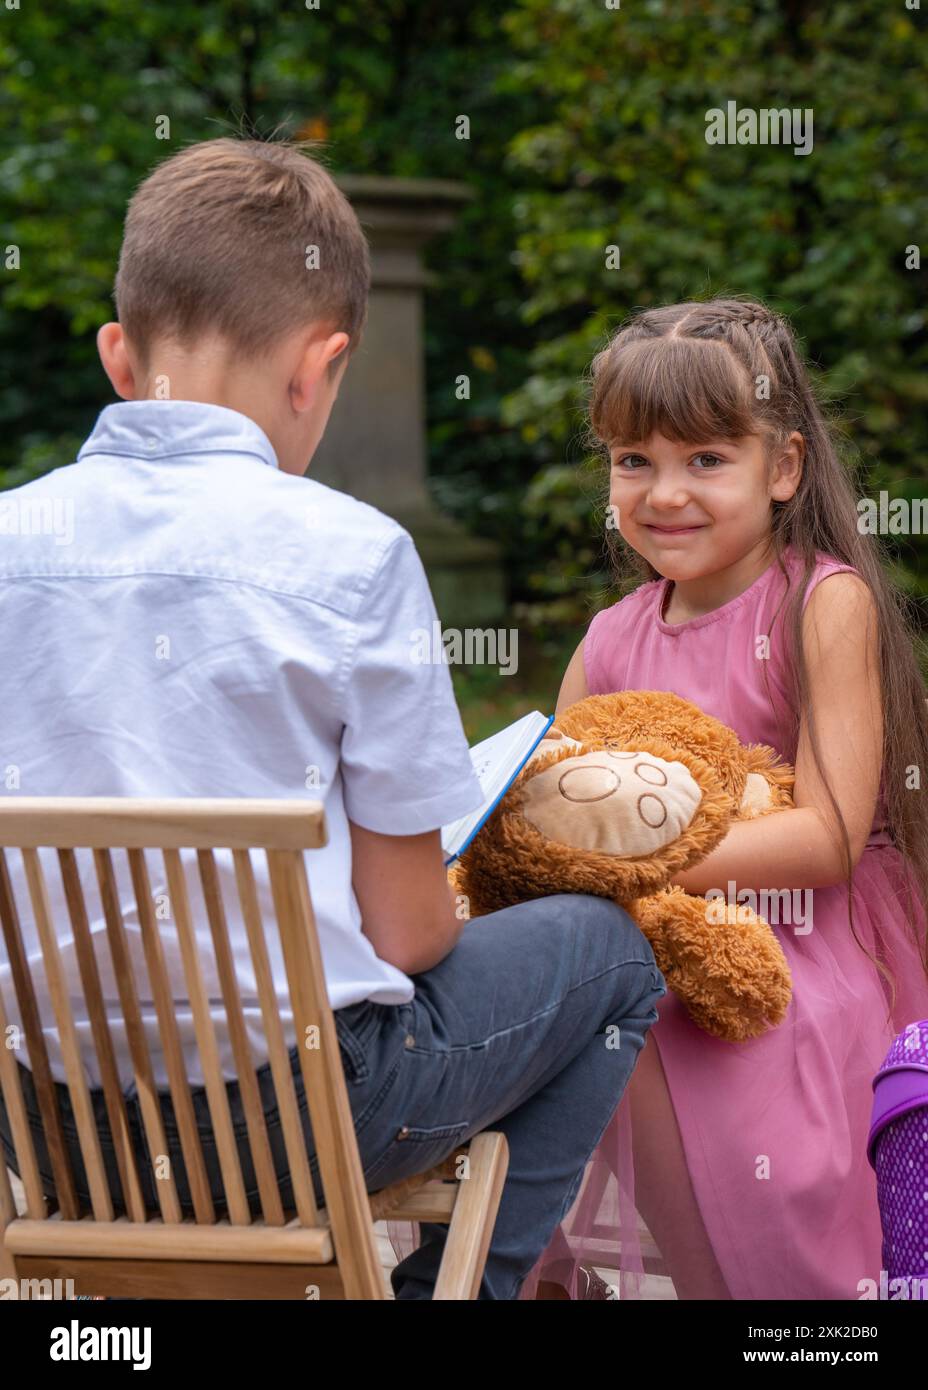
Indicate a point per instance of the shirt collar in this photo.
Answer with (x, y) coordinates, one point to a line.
(164, 429)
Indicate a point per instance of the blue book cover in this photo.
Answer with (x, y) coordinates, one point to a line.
(497, 760)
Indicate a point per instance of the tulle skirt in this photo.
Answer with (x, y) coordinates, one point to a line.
(773, 1130)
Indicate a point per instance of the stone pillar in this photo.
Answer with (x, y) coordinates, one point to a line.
(375, 444)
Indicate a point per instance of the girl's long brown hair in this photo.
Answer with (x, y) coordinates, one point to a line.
(726, 368)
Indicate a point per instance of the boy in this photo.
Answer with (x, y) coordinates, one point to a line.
(215, 624)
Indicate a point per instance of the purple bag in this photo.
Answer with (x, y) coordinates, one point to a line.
(898, 1152)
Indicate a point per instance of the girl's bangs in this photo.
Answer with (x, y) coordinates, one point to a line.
(690, 390)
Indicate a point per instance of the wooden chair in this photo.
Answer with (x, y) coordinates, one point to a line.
(165, 1255)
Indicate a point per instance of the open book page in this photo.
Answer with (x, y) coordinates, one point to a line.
(497, 760)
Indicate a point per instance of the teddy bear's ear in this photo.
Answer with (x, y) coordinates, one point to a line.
(757, 796)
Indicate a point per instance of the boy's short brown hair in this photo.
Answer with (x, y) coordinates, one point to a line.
(216, 240)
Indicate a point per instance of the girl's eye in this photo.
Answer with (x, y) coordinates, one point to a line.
(631, 463)
(628, 461)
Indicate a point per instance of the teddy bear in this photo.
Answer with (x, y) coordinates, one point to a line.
(626, 791)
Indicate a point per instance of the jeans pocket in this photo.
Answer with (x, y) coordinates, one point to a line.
(350, 1039)
(414, 1149)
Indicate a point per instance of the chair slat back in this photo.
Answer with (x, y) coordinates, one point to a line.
(103, 1041)
(139, 829)
(278, 1054)
(152, 1119)
(46, 1095)
(20, 1132)
(175, 1065)
(70, 1050)
(271, 1205)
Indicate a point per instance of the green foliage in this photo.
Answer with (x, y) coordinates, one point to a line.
(587, 130)
(620, 158)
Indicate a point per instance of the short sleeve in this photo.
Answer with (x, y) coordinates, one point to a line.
(405, 762)
(824, 570)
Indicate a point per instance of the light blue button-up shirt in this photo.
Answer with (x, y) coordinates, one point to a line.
(181, 618)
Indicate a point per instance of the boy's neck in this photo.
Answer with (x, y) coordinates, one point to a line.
(205, 377)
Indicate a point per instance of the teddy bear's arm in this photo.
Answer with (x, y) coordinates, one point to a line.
(722, 960)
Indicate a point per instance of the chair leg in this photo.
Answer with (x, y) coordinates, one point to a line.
(7, 1214)
(473, 1219)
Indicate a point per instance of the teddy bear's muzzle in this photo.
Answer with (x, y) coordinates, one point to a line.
(618, 802)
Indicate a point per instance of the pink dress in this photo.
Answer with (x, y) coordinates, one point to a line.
(800, 1094)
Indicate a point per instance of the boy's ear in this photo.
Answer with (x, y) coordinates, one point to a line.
(111, 345)
(336, 368)
(322, 360)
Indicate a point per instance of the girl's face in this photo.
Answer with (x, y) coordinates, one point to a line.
(694, 509)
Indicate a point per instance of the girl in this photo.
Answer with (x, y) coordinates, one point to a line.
(747, 1161)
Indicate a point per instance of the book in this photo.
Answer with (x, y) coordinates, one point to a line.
(497, 760)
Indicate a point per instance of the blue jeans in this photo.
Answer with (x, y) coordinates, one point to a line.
(531, 1025)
